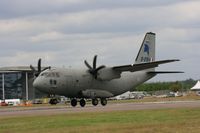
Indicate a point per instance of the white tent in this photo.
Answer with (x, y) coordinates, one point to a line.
(196, 87)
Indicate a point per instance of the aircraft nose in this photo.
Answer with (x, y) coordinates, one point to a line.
(40, 84)
(37, 83)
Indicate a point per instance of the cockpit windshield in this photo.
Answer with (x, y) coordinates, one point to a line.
(50, 74)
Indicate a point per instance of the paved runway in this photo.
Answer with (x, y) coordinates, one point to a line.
(61, 109)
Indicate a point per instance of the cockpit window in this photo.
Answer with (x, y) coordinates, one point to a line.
(44, 74)
(51, 74)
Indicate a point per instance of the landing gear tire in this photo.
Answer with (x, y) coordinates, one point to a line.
(53, 101)
(82, 103)
(103, 102)
(95, 102)
(73, 102)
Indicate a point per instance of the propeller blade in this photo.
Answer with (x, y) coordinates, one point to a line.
(32, 68)
(100, 67)
(46, 68)
(95, 62)
(37, 74)
(39, 68)
(88, 65)
(39, 65)
(94, 70)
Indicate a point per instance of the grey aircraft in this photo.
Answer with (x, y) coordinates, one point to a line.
(99, 82)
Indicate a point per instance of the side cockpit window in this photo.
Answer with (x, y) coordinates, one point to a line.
(53, 82)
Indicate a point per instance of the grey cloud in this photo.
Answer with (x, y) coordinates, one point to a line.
(67, 33)
(21, 8)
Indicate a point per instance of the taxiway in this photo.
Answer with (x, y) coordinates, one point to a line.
(60, 109)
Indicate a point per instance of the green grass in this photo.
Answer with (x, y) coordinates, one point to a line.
(143, 121)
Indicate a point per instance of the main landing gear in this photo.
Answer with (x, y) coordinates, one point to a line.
(95, 101)
(82, 102)
(74, 102)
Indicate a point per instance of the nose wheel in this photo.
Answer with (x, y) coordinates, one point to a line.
(53, 101)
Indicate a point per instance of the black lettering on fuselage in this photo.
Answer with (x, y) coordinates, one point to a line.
(145, 59)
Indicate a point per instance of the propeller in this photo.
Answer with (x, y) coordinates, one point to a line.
(94, 70)
(39, 68)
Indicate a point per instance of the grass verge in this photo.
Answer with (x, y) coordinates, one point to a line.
(143, 121)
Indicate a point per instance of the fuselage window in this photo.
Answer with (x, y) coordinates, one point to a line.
(55, 82)
(51, 81)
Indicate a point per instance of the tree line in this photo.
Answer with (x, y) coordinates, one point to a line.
(172, 86)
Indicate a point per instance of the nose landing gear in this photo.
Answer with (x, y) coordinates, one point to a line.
(53, 101)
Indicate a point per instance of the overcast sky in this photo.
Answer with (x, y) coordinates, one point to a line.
(66, 32)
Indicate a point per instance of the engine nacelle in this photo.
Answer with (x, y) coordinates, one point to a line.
(107, 74)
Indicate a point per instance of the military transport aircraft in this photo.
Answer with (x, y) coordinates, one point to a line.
(99, 82)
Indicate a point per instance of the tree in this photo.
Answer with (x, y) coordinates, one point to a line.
(176, 86)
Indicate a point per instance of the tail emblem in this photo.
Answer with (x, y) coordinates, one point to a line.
(146, 48)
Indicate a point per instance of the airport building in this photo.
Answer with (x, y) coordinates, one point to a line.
(17, 83)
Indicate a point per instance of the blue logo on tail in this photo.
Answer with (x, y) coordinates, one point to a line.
(146, 48)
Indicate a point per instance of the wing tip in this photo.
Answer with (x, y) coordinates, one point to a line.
(164, 72)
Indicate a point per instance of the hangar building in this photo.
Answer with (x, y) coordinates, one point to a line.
(16, 83)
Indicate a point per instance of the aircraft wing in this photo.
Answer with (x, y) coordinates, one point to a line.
(141, 66)
(115, 72)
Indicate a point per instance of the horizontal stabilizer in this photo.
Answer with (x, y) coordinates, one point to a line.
(164, 72)
(141, 66)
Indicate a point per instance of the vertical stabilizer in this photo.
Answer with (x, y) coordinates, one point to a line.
(147, 49)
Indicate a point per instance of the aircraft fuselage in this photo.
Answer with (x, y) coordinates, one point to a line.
(73, 82)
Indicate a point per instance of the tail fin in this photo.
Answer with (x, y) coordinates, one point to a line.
(147, 49)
